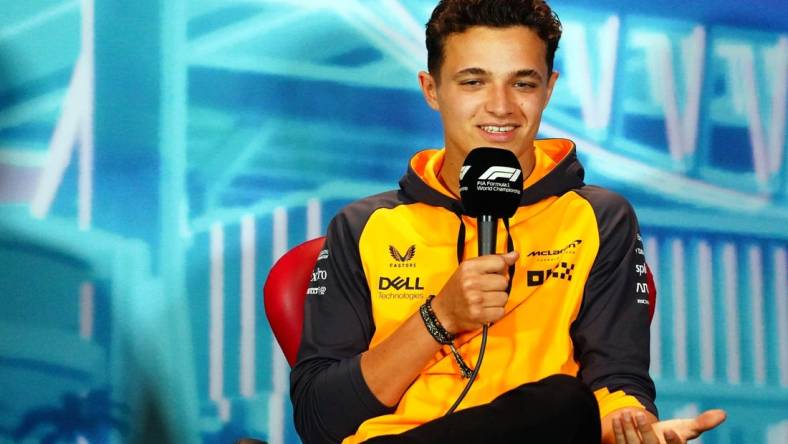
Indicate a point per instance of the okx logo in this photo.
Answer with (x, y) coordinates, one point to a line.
(563, 271)
(399, 283)
(501, 172)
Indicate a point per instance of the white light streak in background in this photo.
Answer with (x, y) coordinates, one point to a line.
(755, 264)
(779, 104)
(652, 258)
(402, 47)
(781, 307)
(705, 275)
(216, 327)
(87, 310)
(777, 433)
(61, 144)
(75, 125)
(682, 125)
(679, 310)
(732, 331)
(313, 219)
(767, 148)
(85, 188)
(248, 306)
(45, 16)
(595, 107)
(279, 366)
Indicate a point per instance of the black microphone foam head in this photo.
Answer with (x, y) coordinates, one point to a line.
(491, 183)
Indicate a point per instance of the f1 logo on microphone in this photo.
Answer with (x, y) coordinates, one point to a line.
(501, 172)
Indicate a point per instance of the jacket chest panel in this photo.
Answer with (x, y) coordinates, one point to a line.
(409, 253)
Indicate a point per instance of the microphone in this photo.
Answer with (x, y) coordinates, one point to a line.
(491, 183)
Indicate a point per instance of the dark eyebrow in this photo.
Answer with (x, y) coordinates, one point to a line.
(473, 71)
(529, 73)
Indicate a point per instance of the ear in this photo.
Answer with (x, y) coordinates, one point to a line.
(429, 88)
(550, 84)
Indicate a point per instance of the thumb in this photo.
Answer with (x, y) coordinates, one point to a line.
(710, 419)
(511, 257)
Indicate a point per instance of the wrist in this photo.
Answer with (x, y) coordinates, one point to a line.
(441, 313)
(442, 336)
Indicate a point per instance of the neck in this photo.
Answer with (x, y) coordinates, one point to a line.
(449, 174)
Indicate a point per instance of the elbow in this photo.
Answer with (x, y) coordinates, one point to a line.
(307, 417)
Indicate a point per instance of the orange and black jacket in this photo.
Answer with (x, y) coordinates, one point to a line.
(578, 303)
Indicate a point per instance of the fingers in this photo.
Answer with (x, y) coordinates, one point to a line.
(691, 428)
(495, 299)
(511, 257)
(672, 437)
(646, 431)
(709, 419)
(491, 315)
(630, 431)
(493, 263)
(618, 431)
(475, 294)
(629, 428)
(491, 307)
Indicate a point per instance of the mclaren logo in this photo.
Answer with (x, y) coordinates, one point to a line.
(568, 248)
(500, 172)
(399, 257)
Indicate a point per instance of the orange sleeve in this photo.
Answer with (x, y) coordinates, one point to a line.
(609, 402)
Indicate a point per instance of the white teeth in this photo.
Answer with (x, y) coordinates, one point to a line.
(497, 129)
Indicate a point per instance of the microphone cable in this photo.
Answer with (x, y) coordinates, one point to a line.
(485, 327)
(473, 375)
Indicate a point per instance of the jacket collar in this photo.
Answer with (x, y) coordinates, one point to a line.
(557, 170)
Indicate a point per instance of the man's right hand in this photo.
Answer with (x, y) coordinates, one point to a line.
(475, 294)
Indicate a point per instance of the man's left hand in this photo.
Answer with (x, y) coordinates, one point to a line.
(635, 427)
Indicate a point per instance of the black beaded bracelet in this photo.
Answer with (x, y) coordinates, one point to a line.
(441, 335)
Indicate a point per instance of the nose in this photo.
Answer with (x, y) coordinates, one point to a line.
(500, 101)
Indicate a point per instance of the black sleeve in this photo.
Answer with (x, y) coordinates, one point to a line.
(611, 332)
(330, 397)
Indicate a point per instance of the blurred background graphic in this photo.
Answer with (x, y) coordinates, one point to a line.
(156, 157)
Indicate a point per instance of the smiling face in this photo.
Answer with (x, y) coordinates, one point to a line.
(492, 89)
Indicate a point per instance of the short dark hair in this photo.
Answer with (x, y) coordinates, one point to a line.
(456, 16)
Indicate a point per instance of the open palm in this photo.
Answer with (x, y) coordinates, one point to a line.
(635, 429)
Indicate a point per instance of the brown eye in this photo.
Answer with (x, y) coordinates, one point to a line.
(525, 85)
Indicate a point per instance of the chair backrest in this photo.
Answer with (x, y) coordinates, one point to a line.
(284, 294)
(652, 292)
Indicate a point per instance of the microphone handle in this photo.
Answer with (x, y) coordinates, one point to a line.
(488, 231)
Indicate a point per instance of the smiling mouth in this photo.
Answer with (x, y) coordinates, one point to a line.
(495, 129)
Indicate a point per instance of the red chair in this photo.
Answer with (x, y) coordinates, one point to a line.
(285, 292)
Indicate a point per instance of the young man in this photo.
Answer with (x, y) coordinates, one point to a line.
(567, 346)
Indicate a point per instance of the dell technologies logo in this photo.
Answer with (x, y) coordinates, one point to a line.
(399, 283)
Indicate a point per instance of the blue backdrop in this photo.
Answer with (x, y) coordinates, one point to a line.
(157, 156)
